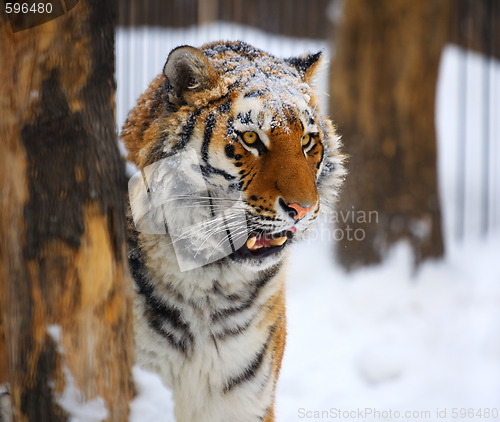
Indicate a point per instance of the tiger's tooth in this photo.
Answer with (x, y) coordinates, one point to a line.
(251, 242)
(278, 241)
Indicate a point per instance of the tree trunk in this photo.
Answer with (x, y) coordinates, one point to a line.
(383, 91)
(64, 283)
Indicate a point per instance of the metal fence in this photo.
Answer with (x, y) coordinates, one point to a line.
(468, 143)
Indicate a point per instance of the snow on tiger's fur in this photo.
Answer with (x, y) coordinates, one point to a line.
(236, 162)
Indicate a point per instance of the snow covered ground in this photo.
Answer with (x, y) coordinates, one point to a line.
(382, 339)
(385, 338)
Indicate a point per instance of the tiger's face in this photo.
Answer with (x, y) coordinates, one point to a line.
(274, 148)
(262, 145)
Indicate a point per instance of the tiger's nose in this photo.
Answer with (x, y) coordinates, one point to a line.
(296, 211)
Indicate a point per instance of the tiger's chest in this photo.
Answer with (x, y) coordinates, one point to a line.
(211, 342)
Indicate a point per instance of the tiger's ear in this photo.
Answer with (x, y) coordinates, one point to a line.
(188, 69)
(307, 65)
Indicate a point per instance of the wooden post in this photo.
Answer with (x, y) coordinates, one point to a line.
(383, 91)
(208, 11)
(64, 285)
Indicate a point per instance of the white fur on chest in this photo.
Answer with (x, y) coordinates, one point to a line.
(199, 380)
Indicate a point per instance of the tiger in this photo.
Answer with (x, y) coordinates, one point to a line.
(244, 140)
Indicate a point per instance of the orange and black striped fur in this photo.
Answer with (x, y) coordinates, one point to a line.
(216, 333)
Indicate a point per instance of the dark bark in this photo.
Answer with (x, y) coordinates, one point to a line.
(64, 287)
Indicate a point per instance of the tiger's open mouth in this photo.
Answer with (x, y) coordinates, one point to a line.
(260, 245)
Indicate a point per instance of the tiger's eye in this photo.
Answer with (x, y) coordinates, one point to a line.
(249, 137)
(305, 140)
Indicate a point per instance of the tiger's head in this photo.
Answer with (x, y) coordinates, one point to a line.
(261, 146)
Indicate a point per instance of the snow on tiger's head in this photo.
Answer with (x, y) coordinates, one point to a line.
(254, 130)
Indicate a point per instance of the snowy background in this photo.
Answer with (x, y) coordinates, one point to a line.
(384, 338)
